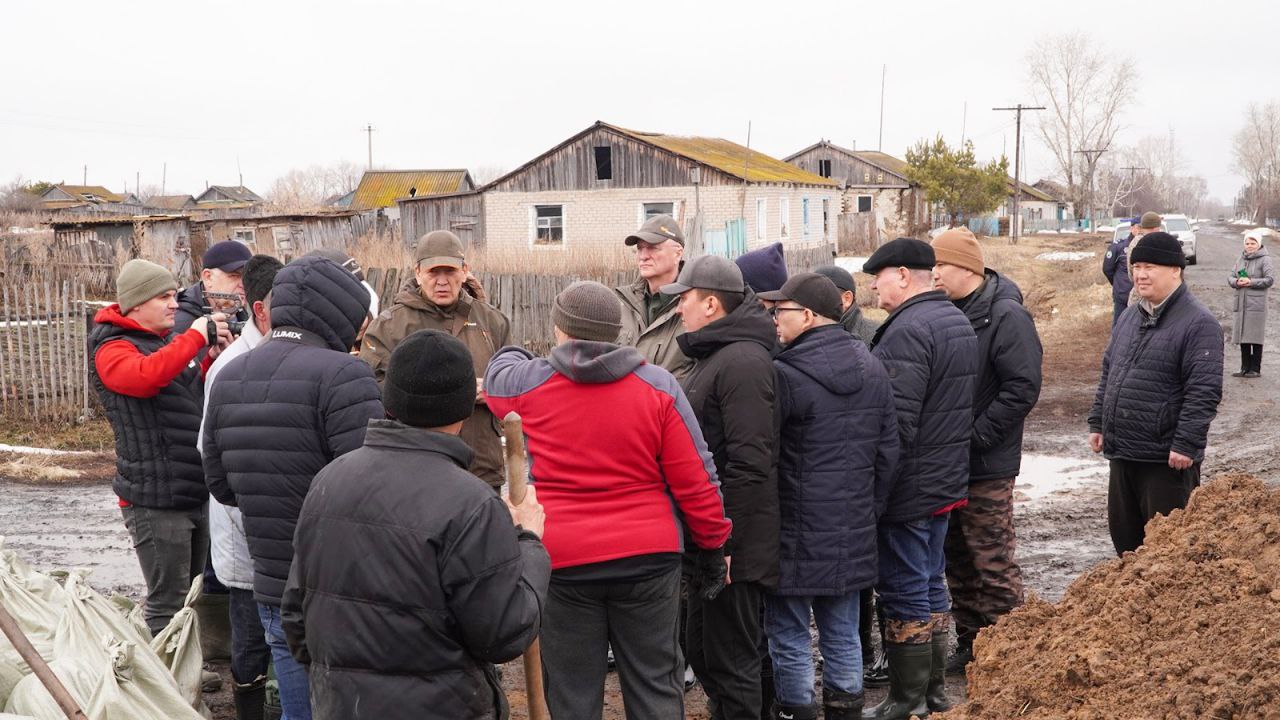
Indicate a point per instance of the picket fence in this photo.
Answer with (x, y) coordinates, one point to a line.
(43, 332)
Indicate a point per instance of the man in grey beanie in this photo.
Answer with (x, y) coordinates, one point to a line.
(614, 443)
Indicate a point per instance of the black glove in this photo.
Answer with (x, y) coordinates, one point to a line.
(709, 573)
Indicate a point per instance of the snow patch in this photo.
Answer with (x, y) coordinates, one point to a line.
(851, 264)
(1064, 256)
(23, 450)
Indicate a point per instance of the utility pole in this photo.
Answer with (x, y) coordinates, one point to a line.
(964, 122)
(1132, 169)
(369, 130)
(1016, 219)
(884, 69)
(85, 181)
(1091, 160)
(164, 176)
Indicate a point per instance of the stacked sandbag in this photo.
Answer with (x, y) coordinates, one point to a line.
(35, 602)
(178, 647)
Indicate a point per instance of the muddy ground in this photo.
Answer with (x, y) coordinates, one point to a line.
(1060, 515)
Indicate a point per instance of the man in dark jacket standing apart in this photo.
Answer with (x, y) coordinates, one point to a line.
(729, 337)
(620, 465)
(982, 575)
(851, 317)
(931, 353)
(278, 415)
(838, 452)
(408, 577)
(149, 381)
(1159, 391)
(1115, 266)
(437, 300)
(650, 322)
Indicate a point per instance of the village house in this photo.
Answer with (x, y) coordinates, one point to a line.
(229, 195)
(874, 187)
(87, 199)
(379, 189)
(600, 184)
(171, 202)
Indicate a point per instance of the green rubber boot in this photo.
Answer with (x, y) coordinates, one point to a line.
(936, 694)
(909, 671)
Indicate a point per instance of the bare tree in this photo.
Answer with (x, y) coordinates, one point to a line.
(485, 173)
(16, 196)
(1257, 157)
(1083, 86)
(309, 187)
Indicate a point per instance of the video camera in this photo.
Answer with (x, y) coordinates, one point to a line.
(237, 314)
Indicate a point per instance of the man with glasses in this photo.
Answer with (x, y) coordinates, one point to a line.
(436, 299)
(650, 321)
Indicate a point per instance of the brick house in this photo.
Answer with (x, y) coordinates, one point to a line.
(871, 182)
(601, 184)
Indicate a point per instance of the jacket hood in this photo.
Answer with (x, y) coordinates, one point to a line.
(996, 287)
(584, 361)
(410, 295)
(849, 320)
(747, 323)
(633, 295)
(1261, 252)
(314, 294)
(110, 315)
(191, 299)
(829, 356)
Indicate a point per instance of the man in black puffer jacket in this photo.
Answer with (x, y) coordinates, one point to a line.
(982, 575)
(729, 337)
(409, 578)
(278, 415)
(838, 451)
(930, 351)
(1159, 391)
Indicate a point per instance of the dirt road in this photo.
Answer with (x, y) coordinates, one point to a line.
(1060, 513)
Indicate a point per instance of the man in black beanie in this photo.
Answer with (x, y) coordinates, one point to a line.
(1159, 391)
(409, 578)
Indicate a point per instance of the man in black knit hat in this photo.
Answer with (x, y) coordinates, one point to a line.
(409, 578)
(1159, 391)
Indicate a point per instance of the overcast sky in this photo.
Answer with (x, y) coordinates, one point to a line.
(269, 86)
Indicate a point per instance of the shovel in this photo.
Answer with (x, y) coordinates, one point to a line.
(38, 666)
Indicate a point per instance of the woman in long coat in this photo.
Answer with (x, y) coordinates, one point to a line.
(1252, 278)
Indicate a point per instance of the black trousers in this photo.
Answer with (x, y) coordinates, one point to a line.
(1138, 491)
(171, 546)
(1250, 357)
(723, 641)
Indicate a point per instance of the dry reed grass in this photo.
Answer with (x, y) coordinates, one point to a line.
(38, 470)
(390, 252)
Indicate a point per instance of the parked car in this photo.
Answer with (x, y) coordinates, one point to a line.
(1121, 232)
(1180, 227)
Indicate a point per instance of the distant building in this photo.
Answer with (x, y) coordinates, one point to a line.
(599, 185)
(228, 195)
(171, 202)
(379, 189)
(872, 182)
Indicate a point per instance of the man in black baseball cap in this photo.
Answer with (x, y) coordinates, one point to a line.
(853, 321)
(223, 263)
(813, 300)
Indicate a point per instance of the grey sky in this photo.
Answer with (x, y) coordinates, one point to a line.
(278, 85)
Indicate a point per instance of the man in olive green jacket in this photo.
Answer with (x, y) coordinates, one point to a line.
(437, 300)
(650, 322)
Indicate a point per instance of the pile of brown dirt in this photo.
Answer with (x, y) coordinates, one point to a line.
(1187, 627)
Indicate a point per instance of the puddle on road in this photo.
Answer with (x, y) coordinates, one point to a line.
(1044, 476)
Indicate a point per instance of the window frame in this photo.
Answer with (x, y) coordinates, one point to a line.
(784, 218)
(804, 217)
(762, 218)
(536, 225)
(595, 153)
(871, 203)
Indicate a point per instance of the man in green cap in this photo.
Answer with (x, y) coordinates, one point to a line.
(437, 299)
(650, 320)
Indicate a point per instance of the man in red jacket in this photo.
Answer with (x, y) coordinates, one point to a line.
(149, 381)
(619, 462)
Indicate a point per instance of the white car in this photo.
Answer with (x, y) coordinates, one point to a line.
(1180, 227)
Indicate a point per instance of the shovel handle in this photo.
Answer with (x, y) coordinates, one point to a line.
(39, 667)
(517, 466)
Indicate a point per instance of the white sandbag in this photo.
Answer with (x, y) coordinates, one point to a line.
(39, 584)
(26, 595)
(132, 612)
(127, 692)
(12, 670)
(178, 646)
(31, 698)
(7, 716)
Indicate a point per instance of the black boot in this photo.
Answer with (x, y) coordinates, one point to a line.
(909, 666)
(936, 694)
(250, 699)
(789, 712)
(837, 705)
(876, 673)
(963, 655)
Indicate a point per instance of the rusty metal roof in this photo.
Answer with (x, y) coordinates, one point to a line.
(728, 157)
(80, 191)
(381, 188)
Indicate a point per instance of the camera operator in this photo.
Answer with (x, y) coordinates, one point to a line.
(223, 263)
(149, 381)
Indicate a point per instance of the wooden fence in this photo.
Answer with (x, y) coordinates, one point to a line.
(43, 371)
(525, 298)
(857, 233)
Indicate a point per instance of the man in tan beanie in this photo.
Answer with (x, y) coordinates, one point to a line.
(150, 385)
(983, 577)
(617, 456)
(438, 298)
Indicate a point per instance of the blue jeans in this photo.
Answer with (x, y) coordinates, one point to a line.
(786, 622)
(295, 688)
(913, 568)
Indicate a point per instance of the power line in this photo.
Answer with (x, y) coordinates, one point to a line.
(1015, 221)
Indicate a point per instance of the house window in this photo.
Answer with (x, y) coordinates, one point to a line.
(864, 203)
(658, 208)
(604, 162)
(824, 168)
(866, 177)
(283, 239)
(804, 215)
(784, 217)
(548, 225)
(762, 217)
(879, 178)
(826, 218)
(245, 235)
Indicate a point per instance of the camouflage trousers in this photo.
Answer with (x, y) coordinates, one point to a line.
(982, 575)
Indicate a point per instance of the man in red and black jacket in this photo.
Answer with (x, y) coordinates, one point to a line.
(619, 462)
(150, 383)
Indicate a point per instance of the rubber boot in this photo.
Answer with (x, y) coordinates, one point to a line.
(936, 694)
(766, 696)
(909, 666)
(789, 712)
(251, 699)
(837, 705)
(963, 654)
(876, 673)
